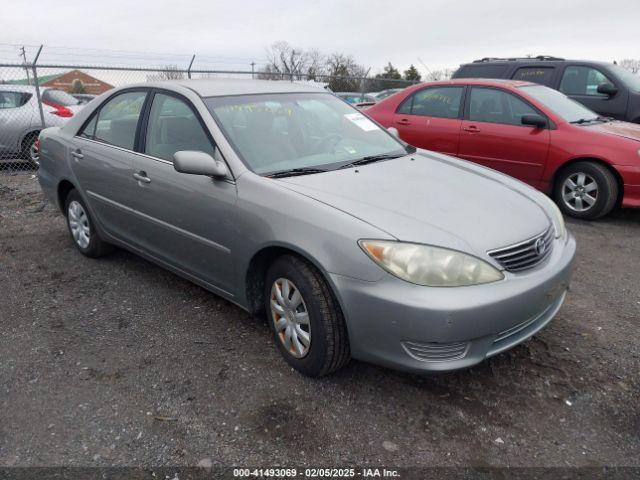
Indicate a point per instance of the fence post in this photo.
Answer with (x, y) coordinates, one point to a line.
(37, 85)
(190, 65)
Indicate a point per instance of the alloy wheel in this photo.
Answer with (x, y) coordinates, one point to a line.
(290, 317)
(79, 224)
(580, 192)
(34, 154)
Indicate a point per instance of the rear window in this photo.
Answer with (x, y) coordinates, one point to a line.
(481, 71)
(541, 75)
(59, 97)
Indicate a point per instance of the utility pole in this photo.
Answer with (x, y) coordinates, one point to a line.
(253, 64)
(23, 54)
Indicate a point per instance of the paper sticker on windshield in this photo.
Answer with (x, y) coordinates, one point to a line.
(361, 121)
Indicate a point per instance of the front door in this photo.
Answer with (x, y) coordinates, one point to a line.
(493, 135)
(185, 220)
(430, 119)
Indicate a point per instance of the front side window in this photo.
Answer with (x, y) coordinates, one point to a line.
(541, 75)
(440, 102)
(582, 81)
(13, 99)
(497, 106)
(117, 120)
(173, 126)
(279, 132)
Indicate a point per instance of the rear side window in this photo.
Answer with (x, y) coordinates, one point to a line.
(582, 81)
(497, 106)
(541, 75)
(117, 120)
(13, 99)
(481, 71)
(440, 102)
(174, 126)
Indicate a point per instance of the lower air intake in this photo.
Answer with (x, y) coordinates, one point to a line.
(436, 352)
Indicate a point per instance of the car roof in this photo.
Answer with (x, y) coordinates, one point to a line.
(487, 82)
(525, 61)
(229, 86)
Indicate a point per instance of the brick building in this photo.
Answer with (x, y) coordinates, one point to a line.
(75, 81)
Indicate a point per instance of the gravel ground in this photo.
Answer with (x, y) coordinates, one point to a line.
(118, 362)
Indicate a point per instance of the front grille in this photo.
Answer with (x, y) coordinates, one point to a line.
(527, 254)
(436, 352)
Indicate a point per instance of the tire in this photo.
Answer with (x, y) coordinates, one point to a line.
(28, 151)
(81, 227)
(328, 346)
(597, 183)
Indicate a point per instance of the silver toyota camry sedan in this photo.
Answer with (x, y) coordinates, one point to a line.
(285, 200)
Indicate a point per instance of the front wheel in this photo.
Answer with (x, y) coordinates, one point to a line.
(586, 190)
(306, 321)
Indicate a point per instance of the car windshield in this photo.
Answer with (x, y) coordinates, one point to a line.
(280, 132)
(632, 80)
(560, 104)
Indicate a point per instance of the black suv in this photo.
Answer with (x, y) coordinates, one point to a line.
(605, 88)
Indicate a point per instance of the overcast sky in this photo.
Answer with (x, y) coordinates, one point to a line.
(441, 33)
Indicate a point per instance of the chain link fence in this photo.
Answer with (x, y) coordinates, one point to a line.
(36, 95)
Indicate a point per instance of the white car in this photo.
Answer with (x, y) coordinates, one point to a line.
(20, 121)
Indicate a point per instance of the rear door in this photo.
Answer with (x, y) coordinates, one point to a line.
(580, 82)
(430, 118)
(184, 220)
(102, 161)
(493, 135)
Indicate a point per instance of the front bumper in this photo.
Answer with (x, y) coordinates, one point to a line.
(415, 328)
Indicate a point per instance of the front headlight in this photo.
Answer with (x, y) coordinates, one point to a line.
(558, 219)
(430, 266)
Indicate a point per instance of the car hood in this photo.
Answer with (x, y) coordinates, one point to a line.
(432, 199)
(620, 129)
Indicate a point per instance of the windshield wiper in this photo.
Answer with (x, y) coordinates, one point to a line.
(295, 171)
(372, 159)
(586, 120)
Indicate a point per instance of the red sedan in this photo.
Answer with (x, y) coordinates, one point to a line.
(589, 164)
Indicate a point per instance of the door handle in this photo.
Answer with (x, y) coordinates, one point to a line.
(403, 121)
(77, 154)
(471, 129)
(142, 177)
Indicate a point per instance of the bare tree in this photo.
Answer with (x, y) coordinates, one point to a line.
(288, 61)
(437, 75)
(169, 72)
(341, 70)
(631, 64)
(316, 64)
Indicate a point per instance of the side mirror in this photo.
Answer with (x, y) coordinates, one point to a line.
(394, 131)
(537, 121)
(199, 163)
(608, 89)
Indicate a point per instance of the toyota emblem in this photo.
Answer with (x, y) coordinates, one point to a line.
(540, 246)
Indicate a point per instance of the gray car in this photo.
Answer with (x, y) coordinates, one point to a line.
(20, 121)
(285, 200)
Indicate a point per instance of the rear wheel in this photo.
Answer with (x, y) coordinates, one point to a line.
(307, 322)
(586, 190)
(30, 150)
(81, 227)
